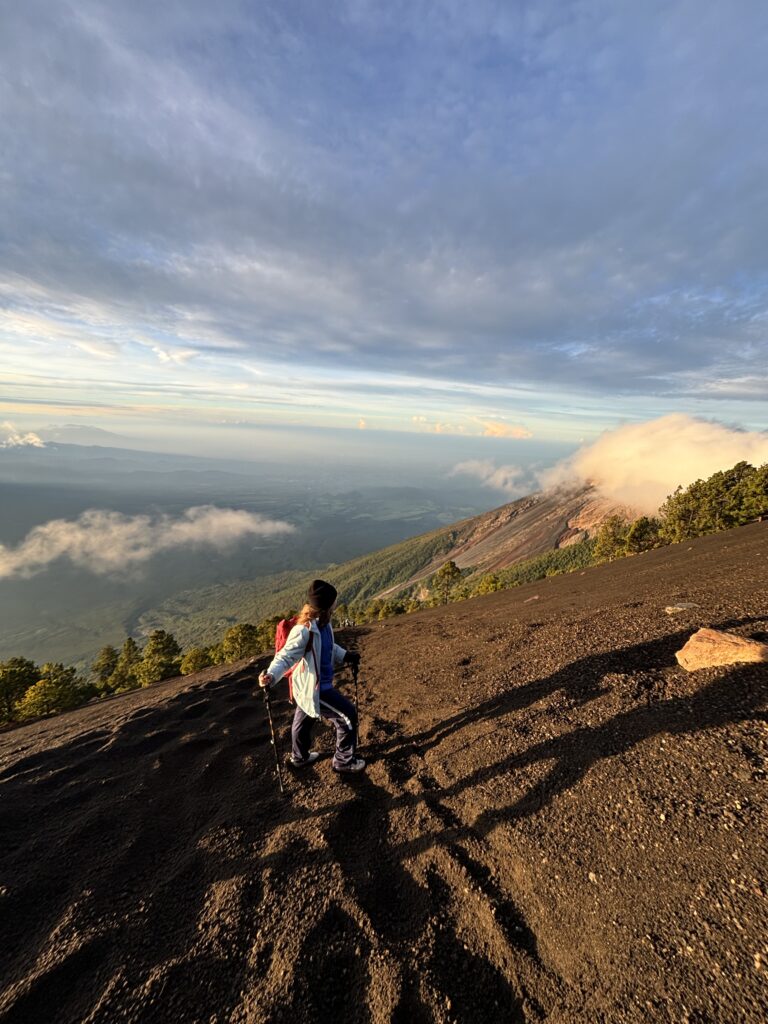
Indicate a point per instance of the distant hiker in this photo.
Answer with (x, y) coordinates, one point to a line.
(312, 653)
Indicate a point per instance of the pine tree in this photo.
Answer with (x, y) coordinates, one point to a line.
(756, 494)
(17, 675)
(643, 535)
(611, 540)
(195, 660)
(57, 689)
(241, 641)
(104, 666)
(161, 658)
(444, 580)
(124, 677)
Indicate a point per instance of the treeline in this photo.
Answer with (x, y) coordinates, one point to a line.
(29, 691)
(732, 497)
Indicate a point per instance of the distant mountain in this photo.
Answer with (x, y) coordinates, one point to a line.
(74, 433)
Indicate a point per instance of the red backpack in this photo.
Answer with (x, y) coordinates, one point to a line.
(284, 627)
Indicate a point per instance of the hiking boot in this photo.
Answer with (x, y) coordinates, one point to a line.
(355, 766)
(311, 758)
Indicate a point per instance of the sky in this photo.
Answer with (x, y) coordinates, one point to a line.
(520, 223)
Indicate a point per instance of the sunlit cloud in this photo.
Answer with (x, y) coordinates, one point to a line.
(495, 428)
(10, 437)
(108, 542)
(640, 464)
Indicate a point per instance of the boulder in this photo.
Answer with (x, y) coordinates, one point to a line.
(710, 647)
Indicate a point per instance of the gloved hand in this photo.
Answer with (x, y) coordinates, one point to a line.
(265, 680)
(352, 658)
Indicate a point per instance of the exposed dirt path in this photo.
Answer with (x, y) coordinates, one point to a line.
(558, 824)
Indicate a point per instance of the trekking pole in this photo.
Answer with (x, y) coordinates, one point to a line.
(355, 670)
(274, 740)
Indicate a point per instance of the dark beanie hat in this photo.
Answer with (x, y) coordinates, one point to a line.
(321, 594)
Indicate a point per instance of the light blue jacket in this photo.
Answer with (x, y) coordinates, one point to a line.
(305, 665)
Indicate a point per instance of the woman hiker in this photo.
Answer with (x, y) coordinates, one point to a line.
(312, 653)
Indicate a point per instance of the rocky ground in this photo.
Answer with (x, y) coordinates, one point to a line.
(559, 824)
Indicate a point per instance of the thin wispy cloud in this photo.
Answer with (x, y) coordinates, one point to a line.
(559, 197)
(513, 481)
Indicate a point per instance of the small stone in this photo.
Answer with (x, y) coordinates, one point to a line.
(593, 877)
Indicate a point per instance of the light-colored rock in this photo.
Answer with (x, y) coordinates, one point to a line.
(710, 647)
(683, 606)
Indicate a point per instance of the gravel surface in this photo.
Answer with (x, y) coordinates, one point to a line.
(558, 824)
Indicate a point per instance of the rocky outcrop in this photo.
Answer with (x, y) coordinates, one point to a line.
(710, 647)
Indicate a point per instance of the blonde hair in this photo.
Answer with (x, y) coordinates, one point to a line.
(309, 612)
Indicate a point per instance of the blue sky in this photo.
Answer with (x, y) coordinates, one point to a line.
(515, 222)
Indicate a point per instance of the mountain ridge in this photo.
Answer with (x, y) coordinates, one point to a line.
(511, 533)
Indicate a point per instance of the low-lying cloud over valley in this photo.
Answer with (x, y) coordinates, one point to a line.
(102, 541)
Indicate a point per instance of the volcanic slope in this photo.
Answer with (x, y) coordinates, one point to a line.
(558, 824)
(494, 540)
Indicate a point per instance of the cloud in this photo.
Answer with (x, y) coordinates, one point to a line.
(100, 349)
(640, 464)
(424, 424)
(109, 542)
(511, 480)
(368, 201)
(178, 356)
(495, 428)
(12, 438)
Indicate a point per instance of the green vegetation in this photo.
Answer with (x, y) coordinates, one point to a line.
(195, 661)
(16, 676)
(727, 499)
(57, 689)
(161, 659)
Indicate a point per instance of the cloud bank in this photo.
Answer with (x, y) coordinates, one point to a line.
(103, 542)
(640, 464)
